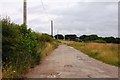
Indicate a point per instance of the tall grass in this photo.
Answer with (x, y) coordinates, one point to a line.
(48, 49)
(107, 53)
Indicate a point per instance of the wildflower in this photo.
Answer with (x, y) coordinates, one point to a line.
(14, 71)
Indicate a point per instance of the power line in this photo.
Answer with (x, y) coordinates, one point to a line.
(45, 10)
(48, 17)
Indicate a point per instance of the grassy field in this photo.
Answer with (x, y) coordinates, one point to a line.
(107, 53)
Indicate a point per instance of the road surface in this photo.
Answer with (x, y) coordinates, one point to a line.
(67, 62)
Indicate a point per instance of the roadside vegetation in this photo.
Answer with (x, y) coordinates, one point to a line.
(22, 48)
(47, 44)
(107, 53)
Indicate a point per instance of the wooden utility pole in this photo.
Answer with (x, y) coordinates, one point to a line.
(52, 28)
(25, 12)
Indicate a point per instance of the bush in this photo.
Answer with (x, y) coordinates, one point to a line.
(100, 41)
(22, 48)
(19, 49)
(45, 38)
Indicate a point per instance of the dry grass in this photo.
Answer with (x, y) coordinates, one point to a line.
(107, 53)
(47, 49)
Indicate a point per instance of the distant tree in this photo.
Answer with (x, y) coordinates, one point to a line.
(71, 37)
(89, 37)
(100, 38)
(93, 37)
(83, 37)
(110, 39)
(118, 40)
(59, 36)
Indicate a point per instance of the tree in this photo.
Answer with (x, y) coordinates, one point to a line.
(59, 36)
(83, 37)
(89, 37)
(118, 40)
(93, 37)
(71, 37)
(110, 39)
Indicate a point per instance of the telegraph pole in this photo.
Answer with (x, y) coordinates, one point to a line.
(25, 12)
(52, 28)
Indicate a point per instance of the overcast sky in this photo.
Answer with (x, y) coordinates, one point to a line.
(70, 16)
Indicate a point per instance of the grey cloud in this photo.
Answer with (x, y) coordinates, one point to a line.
(89, 17)
(70, 17)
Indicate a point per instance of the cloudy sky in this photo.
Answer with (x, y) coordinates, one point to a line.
(70, 16)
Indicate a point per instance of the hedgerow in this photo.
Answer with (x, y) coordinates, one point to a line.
(20, 48)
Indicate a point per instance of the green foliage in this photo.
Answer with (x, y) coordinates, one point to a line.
(44, 38)
(22, 48)
(71, 37)
(19, 48)
(88, 37)
(94, 54)
(95, 38)
(100, 41)
(59, 36)
(111, 40)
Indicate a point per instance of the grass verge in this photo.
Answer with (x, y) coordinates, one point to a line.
(107, 53)
(47, 49)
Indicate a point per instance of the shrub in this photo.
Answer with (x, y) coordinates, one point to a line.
(22, 48)
(19, 49)
(44, 38)
(100, 41)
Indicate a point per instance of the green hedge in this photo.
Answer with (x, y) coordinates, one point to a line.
(19, 49)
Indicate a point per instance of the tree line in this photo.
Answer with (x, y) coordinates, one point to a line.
(88, 38)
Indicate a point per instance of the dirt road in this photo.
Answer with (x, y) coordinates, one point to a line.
(67, 62)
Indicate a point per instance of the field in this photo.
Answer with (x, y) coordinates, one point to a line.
(107, 53)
